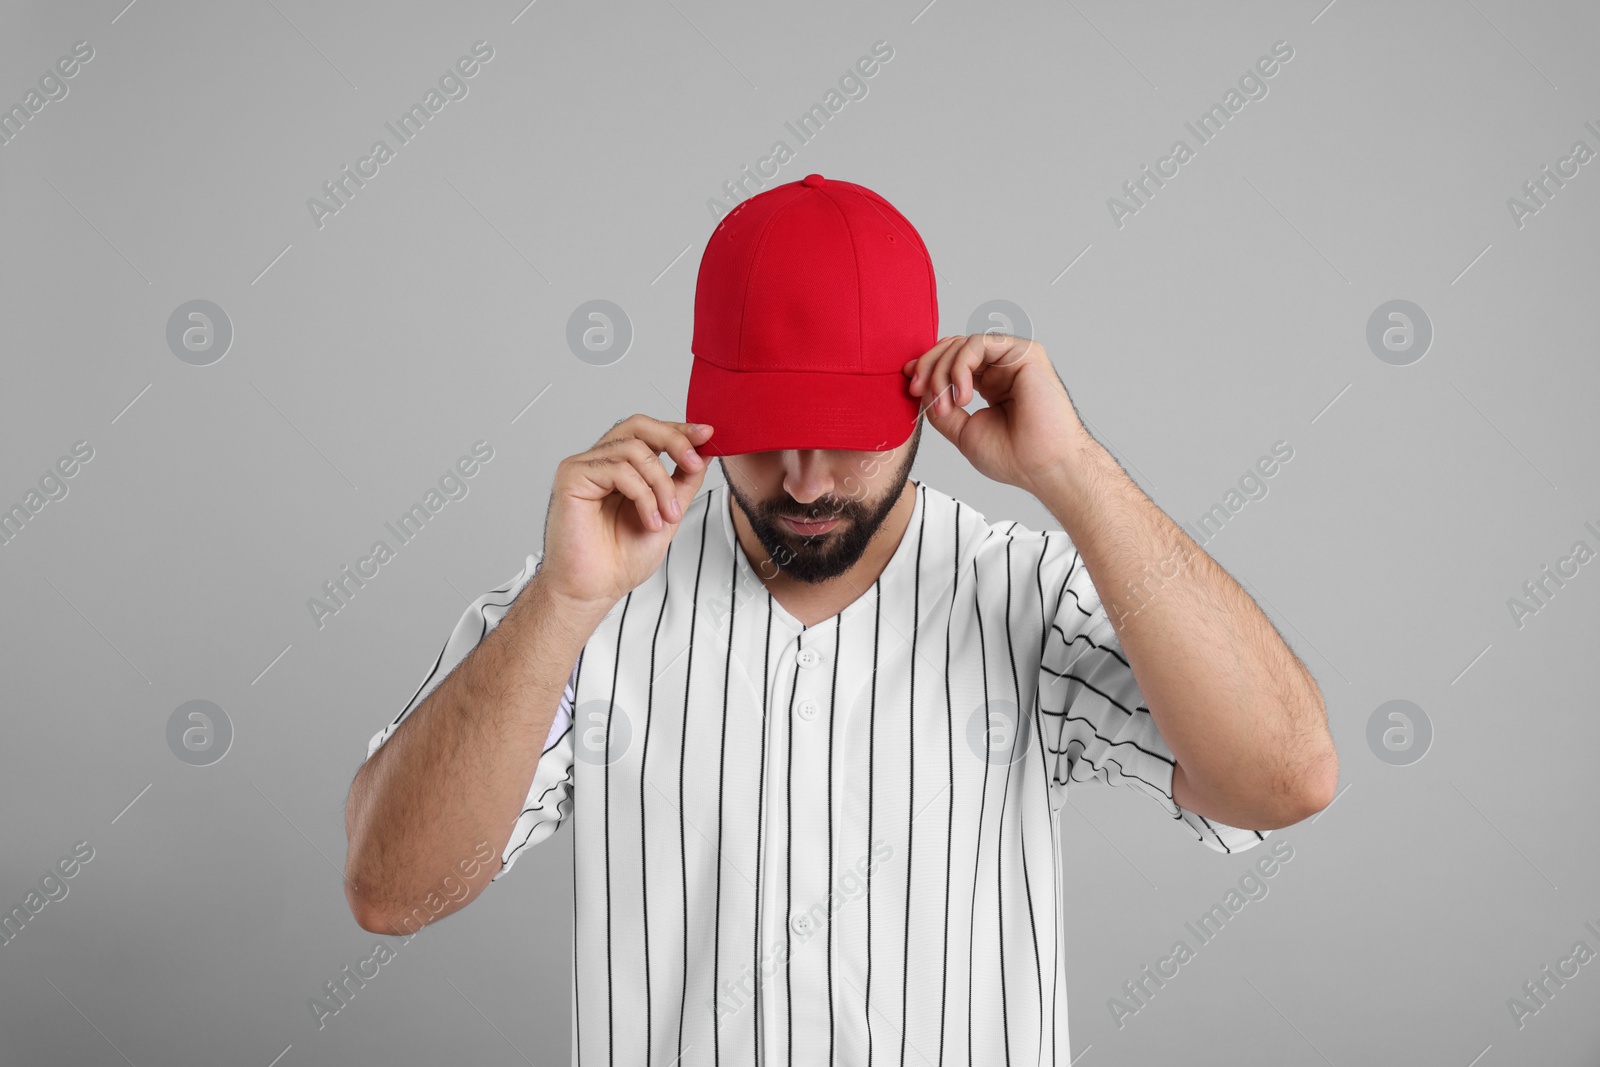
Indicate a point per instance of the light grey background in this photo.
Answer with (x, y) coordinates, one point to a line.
(1229, 313)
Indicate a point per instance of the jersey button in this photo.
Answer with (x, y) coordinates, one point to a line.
(802, 923)
(808, 657)
(808, 709)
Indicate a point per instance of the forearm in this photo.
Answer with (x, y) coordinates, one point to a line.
(1243, 717)
(457, 770)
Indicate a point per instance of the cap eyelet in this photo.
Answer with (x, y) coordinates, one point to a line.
(890, 236)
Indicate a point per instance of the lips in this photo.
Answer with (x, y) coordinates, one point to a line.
(801, 526)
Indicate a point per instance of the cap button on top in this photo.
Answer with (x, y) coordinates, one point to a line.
(812, 181)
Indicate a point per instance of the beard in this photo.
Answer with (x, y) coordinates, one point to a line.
(816, 558)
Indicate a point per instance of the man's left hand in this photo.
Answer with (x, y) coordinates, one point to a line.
(1029, 430)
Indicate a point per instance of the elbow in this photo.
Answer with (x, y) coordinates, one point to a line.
(370, 900)
(369, 912)
(1327, 787)
(370, 894)
(399, 911)
(381, 917)
(367, 915)
(1311, 792)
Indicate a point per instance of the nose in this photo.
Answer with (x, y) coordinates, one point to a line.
(806, 475)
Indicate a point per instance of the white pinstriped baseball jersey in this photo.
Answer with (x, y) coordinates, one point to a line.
(887, 823)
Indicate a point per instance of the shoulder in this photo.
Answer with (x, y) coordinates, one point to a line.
(1048, 551)
(1038, 558)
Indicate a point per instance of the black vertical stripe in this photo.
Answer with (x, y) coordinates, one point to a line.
(1050, 778)
(644, 808)
(950, 739)
(683, 751)
(983, 800)
(578, 938)
(833, 705)
(1027, 885)
(577, 930)
(1044, 765)
(872, 719)
(911, 754)
(622, 625)
(788, 860)
(761, 796)
(1000, 831)
(722, 758)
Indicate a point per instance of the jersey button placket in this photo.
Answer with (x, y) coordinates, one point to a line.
(808, 913)
(772, 932)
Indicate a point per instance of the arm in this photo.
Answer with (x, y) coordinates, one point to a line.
(456, 771)
(1244, 719)
(1242, 715)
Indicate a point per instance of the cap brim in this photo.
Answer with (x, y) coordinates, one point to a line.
(766, 411)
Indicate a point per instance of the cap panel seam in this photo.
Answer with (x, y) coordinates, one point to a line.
(878, 204)
(749, 278)
(855, 256)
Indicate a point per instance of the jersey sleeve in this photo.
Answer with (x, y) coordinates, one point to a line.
(549, 799)
(1092, 714)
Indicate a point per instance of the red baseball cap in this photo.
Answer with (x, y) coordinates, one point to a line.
(811, 297)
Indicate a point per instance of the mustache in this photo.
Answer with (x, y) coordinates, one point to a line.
(815, 512)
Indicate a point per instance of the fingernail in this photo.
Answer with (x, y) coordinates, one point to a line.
(674, 507)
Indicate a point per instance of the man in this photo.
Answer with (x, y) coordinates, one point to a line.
(815, 725)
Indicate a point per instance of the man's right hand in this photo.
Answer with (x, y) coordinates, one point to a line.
(614, 509)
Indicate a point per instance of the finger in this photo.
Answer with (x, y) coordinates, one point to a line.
(597, 478)
(963, 374)
(677, 439)
(963, 381)
(919, 367)
(997, 358)
(930, 385)
(626, 479)
(925, 382)
(1004, 350)
(941, 375)
(969, 359)
(648, 463)
(947, 418)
